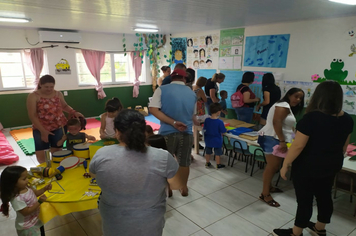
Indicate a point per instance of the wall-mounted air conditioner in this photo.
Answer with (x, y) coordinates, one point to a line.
(59, 37)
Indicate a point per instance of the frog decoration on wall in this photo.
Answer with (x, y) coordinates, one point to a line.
(336, 73)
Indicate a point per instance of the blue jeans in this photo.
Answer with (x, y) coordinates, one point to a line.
(244, 114)
(207, 105)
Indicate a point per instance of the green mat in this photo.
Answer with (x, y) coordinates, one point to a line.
(28, 146)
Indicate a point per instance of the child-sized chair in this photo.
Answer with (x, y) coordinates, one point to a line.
(258, 155)
(227, 148)
(240, 147)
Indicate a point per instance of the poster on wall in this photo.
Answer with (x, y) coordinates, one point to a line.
(267, 51)
(203, 51)
(62, 67)
(231, 44)
(307, 87)
(179, 50)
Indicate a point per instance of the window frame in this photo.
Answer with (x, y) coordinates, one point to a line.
(44, 71)
(113, 75)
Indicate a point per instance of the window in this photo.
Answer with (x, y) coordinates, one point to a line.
(14, 72)
(117, 69)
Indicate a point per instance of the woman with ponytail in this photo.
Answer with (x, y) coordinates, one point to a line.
(212, 89)
(133, 179)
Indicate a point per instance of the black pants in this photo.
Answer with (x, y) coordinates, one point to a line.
(305, 190)
(42, 231)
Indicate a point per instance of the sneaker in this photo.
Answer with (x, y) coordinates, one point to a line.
(283, 232)
(219, 166)
(311, 226)
(208, 164)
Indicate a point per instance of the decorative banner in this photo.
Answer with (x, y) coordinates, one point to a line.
(231, 43)
(179, 50)
(203, 52)
(63, 67)
(307, 87)
(267, 51)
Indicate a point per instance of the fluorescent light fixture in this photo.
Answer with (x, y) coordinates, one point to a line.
(348, 2)
(145, 30)
(14, 19)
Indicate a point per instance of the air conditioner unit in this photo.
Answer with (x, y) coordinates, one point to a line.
(59, 37)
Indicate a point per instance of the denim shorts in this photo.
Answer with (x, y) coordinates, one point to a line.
(217, 151)
(267, 143)
(52, 139)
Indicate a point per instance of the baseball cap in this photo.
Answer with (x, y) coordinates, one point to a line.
(179, 72)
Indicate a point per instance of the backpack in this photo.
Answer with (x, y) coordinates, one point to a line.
(237, 99)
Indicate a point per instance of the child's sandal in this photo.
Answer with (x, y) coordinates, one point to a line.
(272, 202)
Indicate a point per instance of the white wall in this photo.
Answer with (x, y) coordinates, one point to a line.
(16, 38)
(313, 45)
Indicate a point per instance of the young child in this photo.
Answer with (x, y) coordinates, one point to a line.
(74, 136)
(213, 130)
(14, 189)
(223, 96)
(149, 131)
(112, 108)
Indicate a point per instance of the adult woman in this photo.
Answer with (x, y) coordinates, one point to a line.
(271, 94)
(166, 72)
(317, 155)
(211, 89)
(133, 179)
(279, 130)
(201, 98)
(45, 108)
(245, 112)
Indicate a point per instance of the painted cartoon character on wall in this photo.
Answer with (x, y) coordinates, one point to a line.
(178, 57)
(336, 73)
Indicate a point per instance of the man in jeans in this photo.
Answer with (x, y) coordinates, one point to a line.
(173, 104)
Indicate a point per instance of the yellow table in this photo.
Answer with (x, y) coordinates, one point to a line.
(75, 185)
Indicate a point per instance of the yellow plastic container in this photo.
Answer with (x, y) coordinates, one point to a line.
(81, 150)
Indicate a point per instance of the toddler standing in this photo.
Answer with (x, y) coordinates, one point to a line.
(112, 108)
(213, 130)
(14, 188)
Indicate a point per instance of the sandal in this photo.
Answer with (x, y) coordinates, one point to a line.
(272, 202)
(275, 190)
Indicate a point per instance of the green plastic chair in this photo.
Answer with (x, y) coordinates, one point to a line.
(258, 155)
(227, 147)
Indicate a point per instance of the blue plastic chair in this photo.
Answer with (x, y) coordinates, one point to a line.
(240, 147)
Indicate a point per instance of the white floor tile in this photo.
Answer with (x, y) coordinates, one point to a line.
(206, 184)
(353, 233)
(251, 186)
(227, 176)
(234, 225)
(232, 198)
(177, 200)
(306, 232)
(201, 233)
(178, 225)
(203, 211)
(193, 173)
(264, 216)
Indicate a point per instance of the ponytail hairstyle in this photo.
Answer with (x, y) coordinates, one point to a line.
(8, 189)
(217, 76)
(268, 81)
(113, 105)
(132, 127)
(46, 79)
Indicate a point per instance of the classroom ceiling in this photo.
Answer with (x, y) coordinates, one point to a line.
(169, 16)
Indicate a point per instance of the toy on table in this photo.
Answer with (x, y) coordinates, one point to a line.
(81, 150)
(86, 174)
(70, 162)
(93, 182)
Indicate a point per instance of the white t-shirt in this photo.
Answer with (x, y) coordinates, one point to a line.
(287, 125)
(20, 202)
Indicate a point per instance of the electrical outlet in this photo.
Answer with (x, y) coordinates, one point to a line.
(65, 93)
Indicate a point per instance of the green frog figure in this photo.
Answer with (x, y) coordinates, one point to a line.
(336, 73)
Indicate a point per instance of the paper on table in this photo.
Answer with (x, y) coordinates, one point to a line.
(253, 133)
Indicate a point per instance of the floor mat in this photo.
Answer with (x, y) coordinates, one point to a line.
(92, 123)
(27, 146)
(153, 119)
(153, 125)
(7, 154)
(19, 134)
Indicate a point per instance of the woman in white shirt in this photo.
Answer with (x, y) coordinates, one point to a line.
(278, 130)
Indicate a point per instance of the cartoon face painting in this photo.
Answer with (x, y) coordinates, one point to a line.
(336, 73)
(178, 55)
(196, 64)
(351, 33)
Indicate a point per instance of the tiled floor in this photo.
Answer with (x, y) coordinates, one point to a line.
(220, 202)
